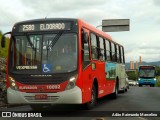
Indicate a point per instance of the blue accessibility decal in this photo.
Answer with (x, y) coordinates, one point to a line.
(47, 68)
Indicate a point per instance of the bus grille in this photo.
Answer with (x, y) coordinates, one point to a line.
(36, 80)
(41, 81)
(49, 99)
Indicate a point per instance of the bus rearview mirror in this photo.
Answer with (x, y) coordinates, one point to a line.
(3, 40)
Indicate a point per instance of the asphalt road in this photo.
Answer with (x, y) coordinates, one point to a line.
(136, 100)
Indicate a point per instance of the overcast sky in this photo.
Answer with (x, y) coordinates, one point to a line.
(143, 39)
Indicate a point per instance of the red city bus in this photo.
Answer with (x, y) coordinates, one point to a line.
(62, 61)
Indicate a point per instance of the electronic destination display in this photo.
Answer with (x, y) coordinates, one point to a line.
(33, 27)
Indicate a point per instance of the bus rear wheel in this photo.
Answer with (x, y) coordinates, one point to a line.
(115, 94)
(93, 101)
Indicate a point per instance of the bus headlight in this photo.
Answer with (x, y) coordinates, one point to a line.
(13, 84)
(154, 79)
(138, 78)
(72, 82)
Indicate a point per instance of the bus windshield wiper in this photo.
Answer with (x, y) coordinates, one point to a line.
(54, 40)
(30, 43)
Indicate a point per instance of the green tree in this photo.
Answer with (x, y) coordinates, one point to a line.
(157, 71)
(158, 76)
(0, 34)
(4, 51)
(132, 75)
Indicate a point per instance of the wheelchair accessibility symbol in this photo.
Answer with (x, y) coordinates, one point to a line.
(47, 68)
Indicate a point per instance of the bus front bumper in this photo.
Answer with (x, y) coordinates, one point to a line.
(72, 96)
(143, 82)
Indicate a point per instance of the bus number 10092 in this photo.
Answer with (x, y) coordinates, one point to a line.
(53, 87)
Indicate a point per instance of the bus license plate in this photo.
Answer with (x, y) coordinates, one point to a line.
(41, 97)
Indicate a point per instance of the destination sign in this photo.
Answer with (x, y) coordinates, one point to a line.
(32, 27)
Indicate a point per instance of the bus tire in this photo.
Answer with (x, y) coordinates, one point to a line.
(151, 85)
(126, 89)
(140, 85)
(123, 91)
(93, 101)
(115, 94)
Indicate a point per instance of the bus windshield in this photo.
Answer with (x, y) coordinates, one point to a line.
(44, 53)
(147, 73)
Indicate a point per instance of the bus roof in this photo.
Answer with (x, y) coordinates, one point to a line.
(84, 24)
(47, 19)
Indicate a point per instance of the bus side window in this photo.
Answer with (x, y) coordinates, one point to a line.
(122, 55)
(108, 50)
(102, 55)
(113, 52)
(94, 46)
(85, 52)
(118, 54)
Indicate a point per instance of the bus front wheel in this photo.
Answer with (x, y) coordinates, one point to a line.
(93, 101)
